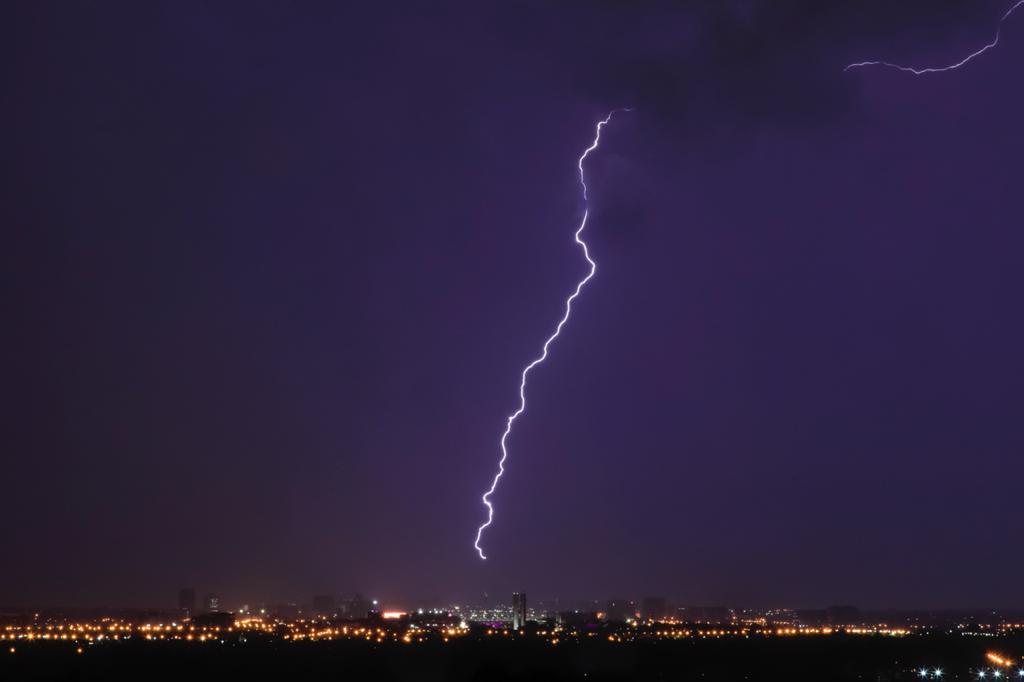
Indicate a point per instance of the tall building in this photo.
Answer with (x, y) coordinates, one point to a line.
(355, 608)
(212, 603)
(620, 610)
(324, 604)
(187, 601)
(518, 610)
(654, 608)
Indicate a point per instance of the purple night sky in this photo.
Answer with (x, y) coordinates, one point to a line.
(271, 271)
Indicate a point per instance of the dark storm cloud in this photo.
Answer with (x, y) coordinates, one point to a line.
(732, 68)
(708, 76)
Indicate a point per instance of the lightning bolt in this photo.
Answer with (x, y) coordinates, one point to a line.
(951, 67)
(558, 330)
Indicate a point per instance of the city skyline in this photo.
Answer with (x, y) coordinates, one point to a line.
(514, 613)
(354, 603)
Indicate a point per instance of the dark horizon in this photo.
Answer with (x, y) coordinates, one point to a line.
(271, 272)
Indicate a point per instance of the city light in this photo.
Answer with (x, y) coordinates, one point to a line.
(998, 660)
(442, 626)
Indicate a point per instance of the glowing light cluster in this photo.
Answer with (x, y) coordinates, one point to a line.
(558, 330)
(951, 67)
(998, 660)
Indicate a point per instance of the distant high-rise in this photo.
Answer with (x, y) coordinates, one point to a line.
(212, 603)
(654, 608)
(355, 608)
(620, 610)
(187, 601)
(324, 604)
(518, 610)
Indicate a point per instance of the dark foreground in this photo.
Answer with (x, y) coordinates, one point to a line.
(817, 659)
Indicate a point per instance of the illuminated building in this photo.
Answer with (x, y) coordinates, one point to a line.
(620, 610)
(212, 603)
(654, 608)
(518, 610)
(187, 601)
(355, 608)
